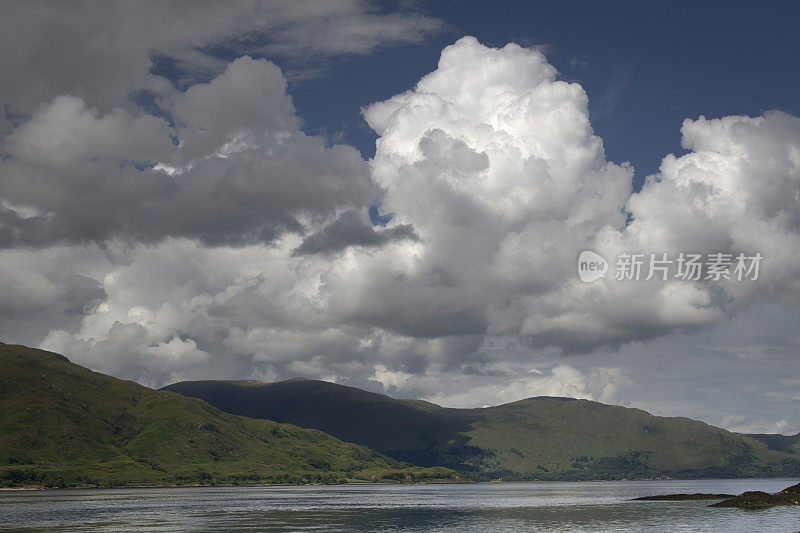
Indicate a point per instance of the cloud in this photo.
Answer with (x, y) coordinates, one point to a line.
(502, 177)
(743, 424)
(351, 230)
(47, 289)
(502, 382)
(217, 239)
(325, 28)
(735, 191)
(176, 349)
(504, 182)
(241, 170)
(66, 131)
(102, 52)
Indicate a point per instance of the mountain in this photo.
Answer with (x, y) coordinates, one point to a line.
(782, 443)
(64, 425)
(536, 438)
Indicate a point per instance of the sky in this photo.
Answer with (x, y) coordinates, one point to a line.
(397, 195)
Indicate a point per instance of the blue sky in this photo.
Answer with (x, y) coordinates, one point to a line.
(646, 66)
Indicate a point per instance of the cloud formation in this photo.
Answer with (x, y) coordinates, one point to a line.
(101, 51)
(350, 229)
(215, 238)
(240, 171)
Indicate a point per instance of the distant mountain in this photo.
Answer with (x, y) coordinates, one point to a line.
(63, 425)
(536, 438)
(782, 443)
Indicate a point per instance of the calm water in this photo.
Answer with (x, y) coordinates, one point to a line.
(601, 506)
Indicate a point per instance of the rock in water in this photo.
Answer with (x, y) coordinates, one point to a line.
(756, 499)
(681, 497)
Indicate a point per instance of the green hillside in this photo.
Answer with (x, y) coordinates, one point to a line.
(783, 443)
(537, 438)
(63, 425)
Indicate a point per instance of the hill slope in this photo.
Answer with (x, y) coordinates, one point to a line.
(783, 443)
(63, 425)
(537, 438)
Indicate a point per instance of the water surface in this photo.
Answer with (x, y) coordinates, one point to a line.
(585, 506)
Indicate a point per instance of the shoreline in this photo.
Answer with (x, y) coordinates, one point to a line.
(32, 488)
(35, 488)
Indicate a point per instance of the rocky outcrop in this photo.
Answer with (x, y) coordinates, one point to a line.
(756, 499)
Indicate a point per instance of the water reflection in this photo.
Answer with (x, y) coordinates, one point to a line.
(479, 508)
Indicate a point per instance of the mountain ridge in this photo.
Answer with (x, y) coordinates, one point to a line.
(64, 425)
(534, 438)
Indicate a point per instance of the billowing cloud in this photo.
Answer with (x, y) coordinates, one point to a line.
(217, 239)
(500, 173)
(102, 52)
(494, 162)
(239, 171)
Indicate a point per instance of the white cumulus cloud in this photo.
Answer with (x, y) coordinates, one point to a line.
(229, 243)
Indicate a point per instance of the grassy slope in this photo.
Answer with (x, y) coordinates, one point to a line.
(783, 443)
(584, 439)
(402, 428)
(537, 438)
(63, 425)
